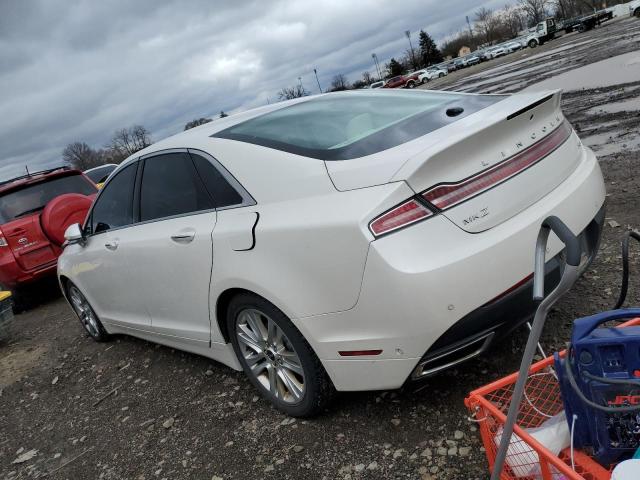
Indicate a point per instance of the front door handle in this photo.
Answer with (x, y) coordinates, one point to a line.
(112, 245)
(183, 237)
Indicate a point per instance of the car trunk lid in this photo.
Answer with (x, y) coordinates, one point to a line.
(499, 169)
(521, 138)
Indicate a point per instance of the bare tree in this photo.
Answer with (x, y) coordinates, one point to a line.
(128, 141)
(339, 82)
(366, 78)
(289, 93)
(81, 156)
(196, 122)
(513, 20)
(486, 24)
(535, 9)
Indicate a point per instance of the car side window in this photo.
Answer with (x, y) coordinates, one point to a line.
(222, 192)
(114, 207)
(171, 186)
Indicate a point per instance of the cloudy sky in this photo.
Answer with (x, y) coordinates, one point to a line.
(76, 70)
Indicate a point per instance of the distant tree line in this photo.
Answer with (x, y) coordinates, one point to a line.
(123, 143)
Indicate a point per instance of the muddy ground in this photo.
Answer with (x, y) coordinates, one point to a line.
(129, 409)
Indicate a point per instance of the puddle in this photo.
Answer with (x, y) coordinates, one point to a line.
(627, 105)
(612, 71)
(615, 141)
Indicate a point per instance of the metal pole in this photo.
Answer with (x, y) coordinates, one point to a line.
(413, 55)
(316, 73)
(569, 276)
(375, 62)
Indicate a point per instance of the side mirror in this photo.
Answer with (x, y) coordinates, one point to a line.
(73, 234)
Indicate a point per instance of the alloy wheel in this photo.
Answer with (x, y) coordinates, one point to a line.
(84, 311)
(270, 356)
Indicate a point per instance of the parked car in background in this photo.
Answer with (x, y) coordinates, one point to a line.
(634, 8)
(402, 81)
(513, 46)
(460, 63)
(99, 175)
(35, 210)
(350, 241)
(472, 60)
(498, 52)
(432, 73)
(484, 55)
(379, 84)
(438, 71)
(450, 66)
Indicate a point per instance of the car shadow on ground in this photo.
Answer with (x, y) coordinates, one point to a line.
(36, 294)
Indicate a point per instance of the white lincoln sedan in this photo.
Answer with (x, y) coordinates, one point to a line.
(349, 241)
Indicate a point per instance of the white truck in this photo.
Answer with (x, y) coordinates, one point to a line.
(545, 30)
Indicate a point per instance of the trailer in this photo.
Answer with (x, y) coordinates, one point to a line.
(587, 22)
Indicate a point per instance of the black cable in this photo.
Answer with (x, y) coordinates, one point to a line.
(597, 406)
(625, 266)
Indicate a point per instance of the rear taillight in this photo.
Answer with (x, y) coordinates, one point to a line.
(448, 195)
(3, 241)
(405, 214)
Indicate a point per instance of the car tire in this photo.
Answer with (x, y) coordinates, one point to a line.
(533, 44)
(85, 313)
(275, 356)
(411, 84)
(423, 81)
(636, 13)
(440, 75)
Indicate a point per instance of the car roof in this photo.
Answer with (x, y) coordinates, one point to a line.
(36, 177)
(206, 132)
(99, 167)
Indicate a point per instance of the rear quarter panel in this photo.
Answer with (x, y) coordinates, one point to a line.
(311, 241)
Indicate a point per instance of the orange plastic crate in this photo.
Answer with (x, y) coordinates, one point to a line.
(489, 406)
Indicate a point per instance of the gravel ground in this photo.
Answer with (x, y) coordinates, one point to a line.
(129, 409)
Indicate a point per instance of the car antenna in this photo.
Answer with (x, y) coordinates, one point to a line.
(27, 169)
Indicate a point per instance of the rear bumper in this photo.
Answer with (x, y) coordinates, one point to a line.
(12, 276)
(475, 332)
(431, 285)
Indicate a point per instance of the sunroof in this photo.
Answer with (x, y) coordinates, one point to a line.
(348, 125)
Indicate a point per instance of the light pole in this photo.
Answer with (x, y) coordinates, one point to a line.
(316, 73)
(413, 56)
(375, 62)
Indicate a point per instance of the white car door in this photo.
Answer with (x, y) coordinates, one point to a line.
(171, 249)
(102, 263)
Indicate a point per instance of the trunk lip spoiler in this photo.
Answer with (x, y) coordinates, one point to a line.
(531, 106)
(563, 125)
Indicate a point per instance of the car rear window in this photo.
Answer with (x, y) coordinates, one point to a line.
(345, 126)
(33, 198)
(100, 174)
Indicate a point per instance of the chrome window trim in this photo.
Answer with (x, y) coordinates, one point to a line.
(247, 199)
(113, 175)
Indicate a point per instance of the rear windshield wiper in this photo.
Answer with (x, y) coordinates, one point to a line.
(27, 212)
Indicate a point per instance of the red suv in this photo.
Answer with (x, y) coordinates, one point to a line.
(402, 81)
(35, 211)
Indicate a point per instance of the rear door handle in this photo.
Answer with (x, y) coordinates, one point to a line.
(183, 237)
(112, 245)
